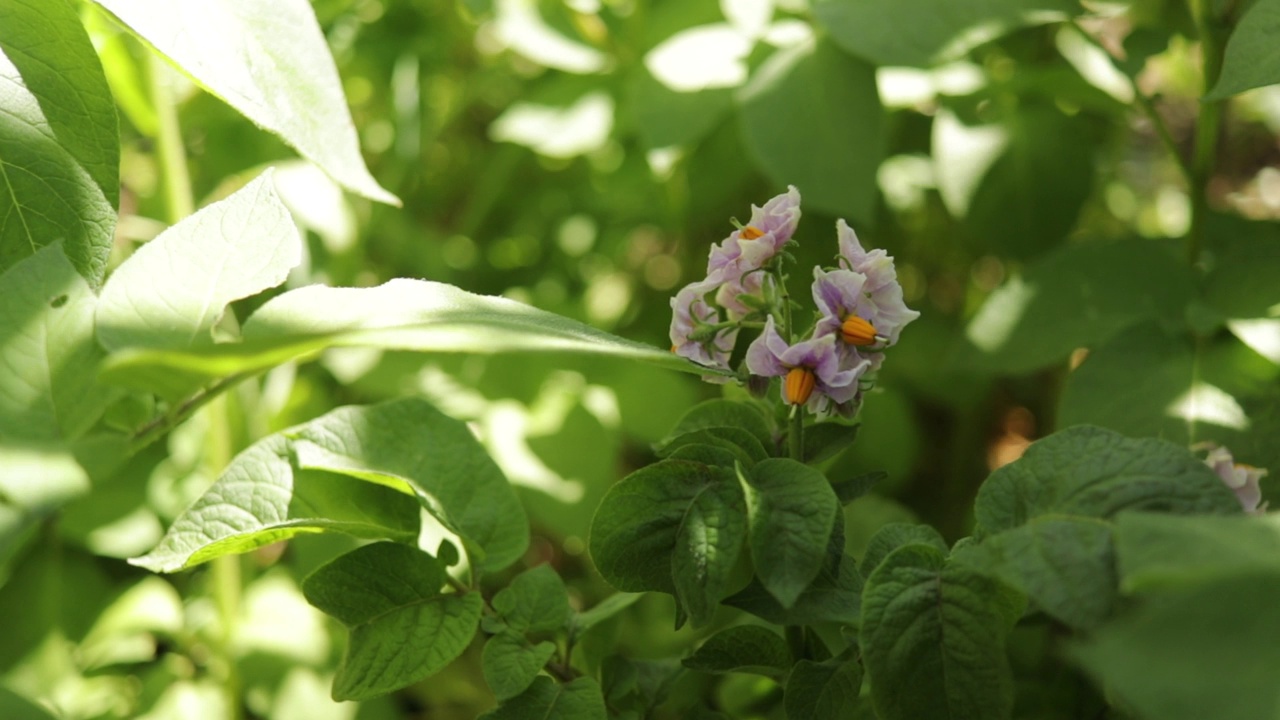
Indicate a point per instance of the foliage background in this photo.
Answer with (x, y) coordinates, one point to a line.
(1033, 204)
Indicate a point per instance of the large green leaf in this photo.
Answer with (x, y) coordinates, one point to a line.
(403, 628)
(510, 663)
(1156, 551)
(1207, 650)
(922, 32)
(743, 649)
(48, 354)
(536, 601)
(59, 139)
(270, 61)
(409, 445)
(547, 700)
(892, 536)
(1148, 382)
(262, 498)
(793, 513)
(1092, 472)
(399, 315)
(1252, 56)
(812, 118)
(171, 292)
(932, 638)
(1079, 296)
(823, 690)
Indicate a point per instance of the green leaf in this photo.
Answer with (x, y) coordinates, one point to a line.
(707, 547)
(1251, 59)
(667, 118)
(823, 690)
(743, 649)
(171, 292)
(811, 117)
(835, 596)
(402, 628)
(510, 663)
(261, 498)
(59, 139)
(604, 610)
(827, 439)
(1078, 296)
(633, 688)
(640, 526)
(271, 63)
(851, 489)
(535, 601)
(48, 355)
(17, 707)
(792, 515)
(1203, 651)
(726, 414)
(742, 447)
(409, 445)
(1180, 389)
(38, 480)
(402, 314)
(1092, 472)
(932, 638)
(924, 32)
(892, 536)
(1157, 551)
(1066, 565)
(1245, 254)
(546, 700)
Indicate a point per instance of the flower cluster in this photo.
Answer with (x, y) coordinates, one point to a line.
(1242, 479)
(859, 304)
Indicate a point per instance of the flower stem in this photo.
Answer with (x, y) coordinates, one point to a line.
(1207, 124)
(179, 200)
(795, 437)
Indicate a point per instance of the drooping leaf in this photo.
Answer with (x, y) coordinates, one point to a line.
(48, 354)
(811, 117)
(932, 638)
(1078, 296)
(270, 62)
(1204, 650)
(409, 445)
(744, 649)
(402, 628)
(510, 663)
(923, 32)
(579, 699)
(640, 527)
(262, 498)
(825, 690)
(400, 315)
(1252, 58)
(59, 139)
(1092, 472)
(169, 293)
(792, 514)
(1066, 565)
(534, 601)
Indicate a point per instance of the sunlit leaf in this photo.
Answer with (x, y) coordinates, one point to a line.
(1252, 58)
(270, 61)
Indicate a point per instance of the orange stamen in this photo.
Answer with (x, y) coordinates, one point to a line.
(857, 331)
(799, 385)
(751, 233)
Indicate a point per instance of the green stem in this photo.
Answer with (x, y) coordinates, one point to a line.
(156, 428)
(795, 437)
(1207, 124)
(179, 199)
(227, 582)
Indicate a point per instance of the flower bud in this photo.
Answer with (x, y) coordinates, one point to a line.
(799, 385)
(857, 331)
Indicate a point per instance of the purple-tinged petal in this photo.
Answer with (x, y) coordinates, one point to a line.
(1242, 479)
(764, 353)
(690, 312)
(750, 247)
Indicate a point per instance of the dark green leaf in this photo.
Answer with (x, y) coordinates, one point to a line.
(282, 76)
(827, 439)
(1252, 58)
(793, 512)
(1095, 473)
(1078, 296)
(511, 663)
(1245, 255)
(834, 596)
(1204, 651)
(59, 139)
(726, 414)
(1066, 565)
(547, 700)
(923, 32)
(744, 649)
(892, 536)
(535, 601)
(823, 690)
(1162, 550)
(855, 487)
(707, 547)
(811, 117)
(932, 638)
(745, 449)
(402, 628)
(604, 610)
(409, 445)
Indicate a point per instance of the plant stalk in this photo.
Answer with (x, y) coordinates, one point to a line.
(1208, 122)
(175, 179)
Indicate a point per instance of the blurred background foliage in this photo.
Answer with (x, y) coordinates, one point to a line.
(582, 156)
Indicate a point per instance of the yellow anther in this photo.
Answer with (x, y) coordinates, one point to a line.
(799, 385)
(857, 331)
(751, 233)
